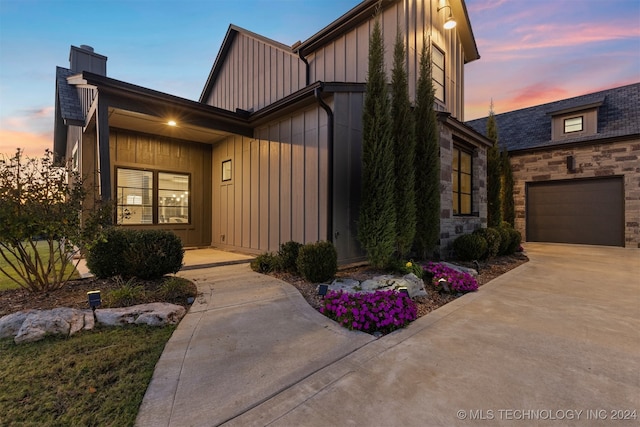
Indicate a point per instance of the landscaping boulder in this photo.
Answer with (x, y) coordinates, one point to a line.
(414, 285)
(34, 325)
(461, 269)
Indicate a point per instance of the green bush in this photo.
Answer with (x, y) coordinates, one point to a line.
(406, 267)
(288, 255)
(176, 290)
(492, 236)
(318, 262)
(128, 293)
(469, 247)
(505, 239)
(266, 263)
(146, 254)
(515, 238)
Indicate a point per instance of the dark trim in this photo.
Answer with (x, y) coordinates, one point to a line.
(609, 140)
(104, 157)
(466, 132)
(307, 78)
(283, 104)
(330, 140)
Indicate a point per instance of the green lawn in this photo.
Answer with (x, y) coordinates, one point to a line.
(7, 283)
(94, 378)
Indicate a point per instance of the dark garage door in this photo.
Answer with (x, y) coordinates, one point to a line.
(589, 211)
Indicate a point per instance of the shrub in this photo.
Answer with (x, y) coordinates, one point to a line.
(380, 311)
(457, 280)
(288, 255)
(492, 236)
(265, 263)
(317, 262)
(146, 254)
(505, 239)
(515, 238)
(127, 294)
(176, 289)
(469, 247)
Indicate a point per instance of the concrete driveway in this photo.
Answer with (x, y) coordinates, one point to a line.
(554, 342)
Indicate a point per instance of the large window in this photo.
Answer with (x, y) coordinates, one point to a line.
(148, 197)
(462, 174)
(437, 72)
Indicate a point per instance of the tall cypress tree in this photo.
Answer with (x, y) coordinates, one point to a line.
(377, 222)
(508, 205)
(494, 205)
(427, 162)
(404, 151)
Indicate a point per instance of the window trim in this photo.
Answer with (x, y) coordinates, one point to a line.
(444, 74)
(155, 198)
(458, 193)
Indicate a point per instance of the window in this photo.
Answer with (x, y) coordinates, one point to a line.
(226, 170)
(462, 173)
(148, 197)
(574, 124)
(437, 72)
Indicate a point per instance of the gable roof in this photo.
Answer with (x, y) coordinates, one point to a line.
(529, 128)
(230, 36)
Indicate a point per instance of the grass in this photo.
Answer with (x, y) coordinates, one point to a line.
(93, 378)
(7, 283)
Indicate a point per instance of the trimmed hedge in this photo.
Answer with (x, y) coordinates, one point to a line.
(469, 247)
(318, 262)
(493, 238)
(146, 254)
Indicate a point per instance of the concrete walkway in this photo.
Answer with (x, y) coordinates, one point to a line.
(553, 342)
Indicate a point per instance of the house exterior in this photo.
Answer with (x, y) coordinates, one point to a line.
(576, 167)
(272, 150)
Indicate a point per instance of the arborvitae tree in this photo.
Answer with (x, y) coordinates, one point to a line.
(377, 223)
(494, 205)
(508, 205)
(427, 162)
(404, 147)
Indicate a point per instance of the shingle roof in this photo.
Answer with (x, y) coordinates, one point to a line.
(618, 115)
(68, 101)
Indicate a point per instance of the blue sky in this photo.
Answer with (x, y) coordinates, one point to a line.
(531, 51)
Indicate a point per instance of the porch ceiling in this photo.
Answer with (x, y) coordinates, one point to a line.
(139, 122)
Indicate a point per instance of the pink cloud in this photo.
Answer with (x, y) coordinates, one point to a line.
(480, 6)
(33, 144)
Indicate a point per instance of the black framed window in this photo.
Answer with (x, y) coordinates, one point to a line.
(438, 72)
(152, 197)
(462, 181)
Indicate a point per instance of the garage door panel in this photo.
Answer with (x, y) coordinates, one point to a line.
(577, 211)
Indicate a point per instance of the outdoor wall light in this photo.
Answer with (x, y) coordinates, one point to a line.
(450, 22)
(173, 122)
(322, 290)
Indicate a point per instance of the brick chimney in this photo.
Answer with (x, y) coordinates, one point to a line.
(83, 58)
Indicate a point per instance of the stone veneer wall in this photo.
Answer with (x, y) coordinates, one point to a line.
(453, 226)
(609, 159)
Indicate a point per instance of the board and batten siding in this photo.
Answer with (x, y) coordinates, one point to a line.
(255, 74)
(345, 59)
(151, 152)
(278, 189)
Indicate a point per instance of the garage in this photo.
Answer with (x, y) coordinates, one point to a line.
(581, 211)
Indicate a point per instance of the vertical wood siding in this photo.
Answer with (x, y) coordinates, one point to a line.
(143, 151)
(256, 74)
(346, 58)
(278, 187)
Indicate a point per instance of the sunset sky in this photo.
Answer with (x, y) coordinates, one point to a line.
(532, 52)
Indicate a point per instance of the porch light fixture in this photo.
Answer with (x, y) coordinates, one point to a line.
(171, 123)
(450, 23)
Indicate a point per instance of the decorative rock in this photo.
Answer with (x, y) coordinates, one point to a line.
(461, 269)
(40, 323)
(11, 323)
(414, 285)
(34, 325)
(155, 314)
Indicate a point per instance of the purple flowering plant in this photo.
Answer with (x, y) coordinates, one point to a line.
(458, 281)
(380, 311)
